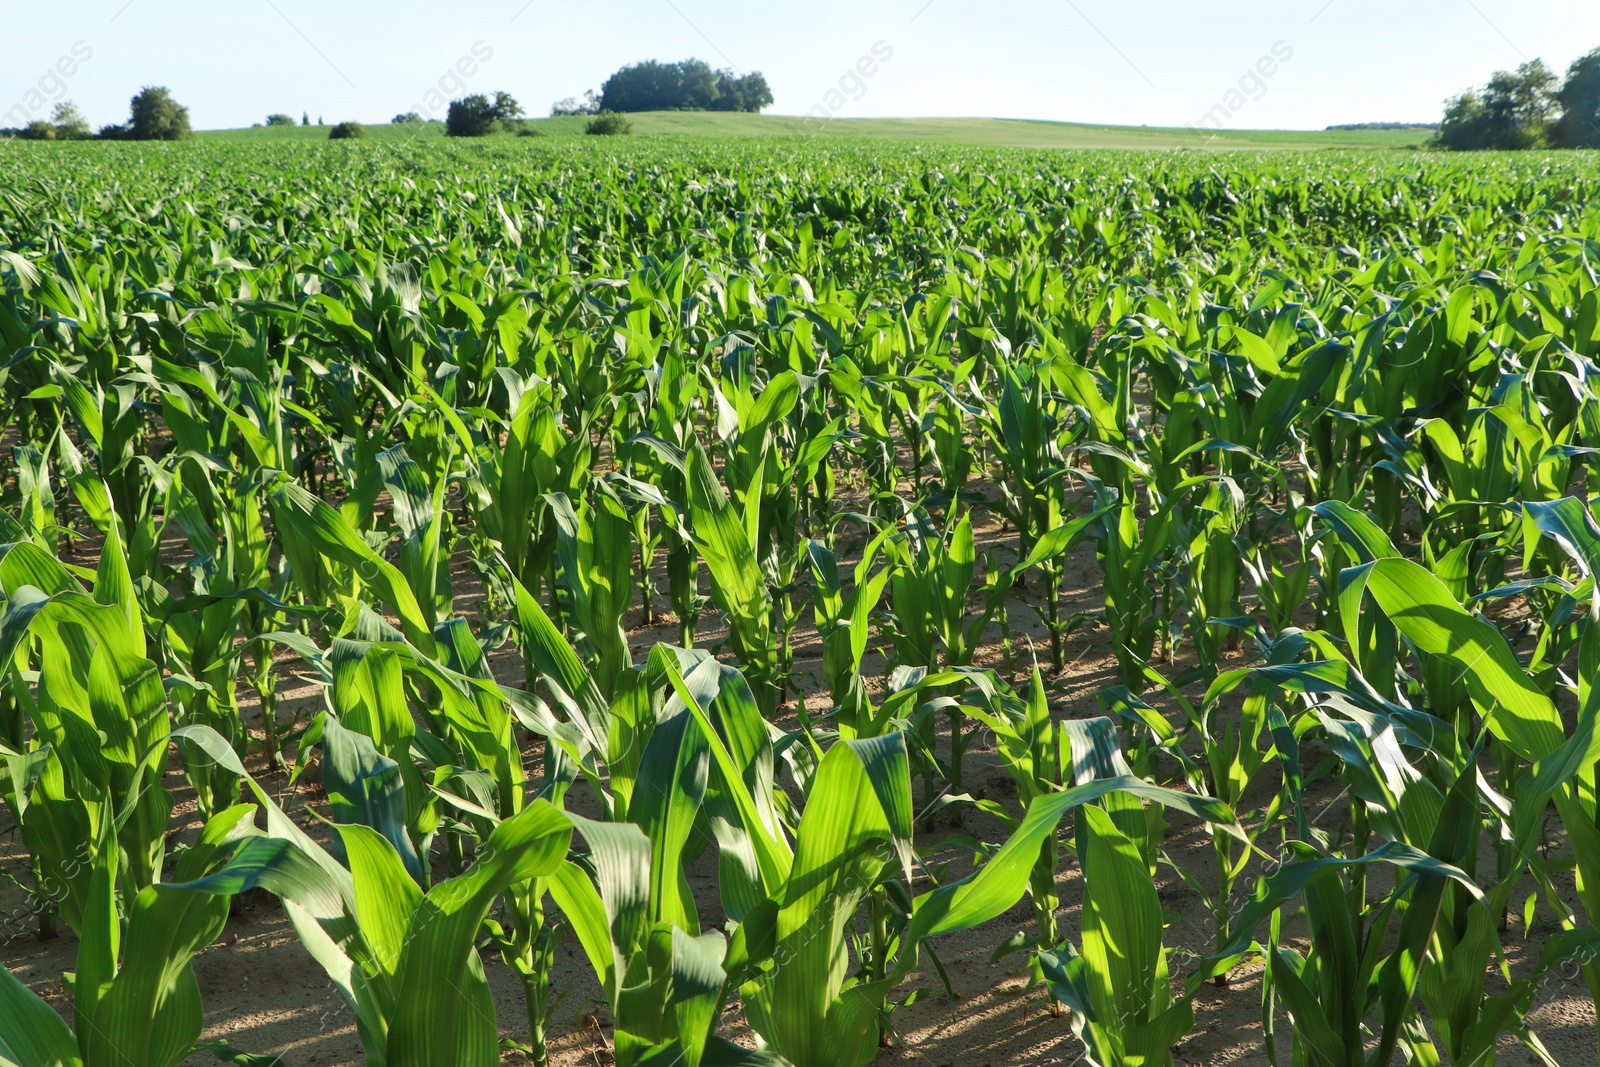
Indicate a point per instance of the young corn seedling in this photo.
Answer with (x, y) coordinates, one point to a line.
(595, 552)
(1023, 425)
(665, 979)
(666, 986)
(844, 623)
(1117, 985)
(507, 492)
(404, 960)
(99, 718)
(136, 1002)
(423, 524)
(1355, 968)
(659, 458)
(726, 540)
(931, 580)
(773, 446)
(1043, 758)
(319, 541)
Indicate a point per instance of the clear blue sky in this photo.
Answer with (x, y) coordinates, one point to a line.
(1163, 62)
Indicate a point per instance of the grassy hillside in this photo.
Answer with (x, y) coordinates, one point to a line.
(1013, 133)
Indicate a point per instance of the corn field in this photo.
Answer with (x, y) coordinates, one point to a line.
(754, 510)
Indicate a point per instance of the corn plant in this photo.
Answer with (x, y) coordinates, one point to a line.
(727, 540)
(1117, 985)
(99, 719)
(595, 551)
(1331, 427)
(384, 943)
(844, 621)
(135, 997)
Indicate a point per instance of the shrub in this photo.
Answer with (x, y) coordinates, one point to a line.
(348, 131)
(280, 119)
(38, 130)
(609, 124)
(479, 116)
(405, 119)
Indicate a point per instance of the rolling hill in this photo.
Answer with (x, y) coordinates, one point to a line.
(1010, 133)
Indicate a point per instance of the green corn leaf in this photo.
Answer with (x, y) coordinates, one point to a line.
(222, 833)
(575, 894)
(774, 857)
(564, 670)
(365, 788)
(1277, 889)
(738, 586)
(31, 1033)
(621, 854)
(1058, 541)
(150, 1015)
(1001, 881)
(1366, 541)
(1423, 609)
(1122, 927)
(1569, 523)
(313, 522)
(429, 1029)
(805, 1009)
(1452, 842)
(386, 896)
(29, 574)
(1323, 1045)
(666, 802)
(724, 696)
(695, 966)
(721, 1052)
(101, 931)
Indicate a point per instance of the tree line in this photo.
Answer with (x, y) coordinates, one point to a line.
(689, 85)
(1527, 108)
(153, 115)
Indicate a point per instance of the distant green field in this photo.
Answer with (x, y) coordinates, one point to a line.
(1011, 133)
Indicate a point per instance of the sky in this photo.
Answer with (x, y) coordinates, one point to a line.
(1157, 63)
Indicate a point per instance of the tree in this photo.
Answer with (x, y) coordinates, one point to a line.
(348, 131)
(38, 130)
(589, 105)
(280, 120)
(507, 106)
(687, 86)
(70, 123)
(156, 116)
(750, 93)
(1580, 104)
(305, 118)
(1516, 110)
(405, 119)
(479, 116)
(1463, 127)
